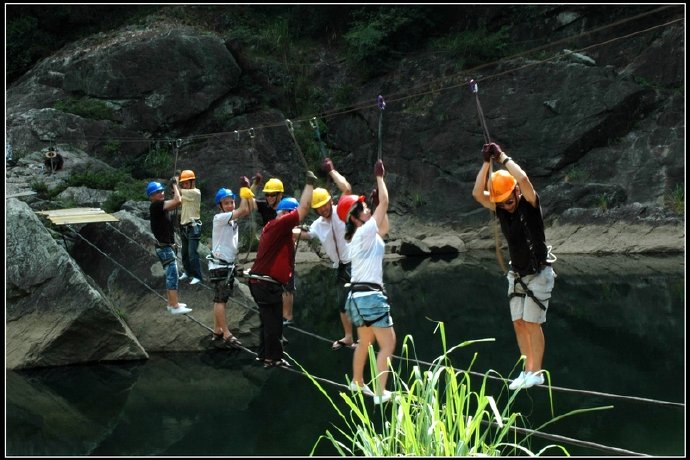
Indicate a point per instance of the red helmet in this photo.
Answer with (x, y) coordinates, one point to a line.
(345, 205)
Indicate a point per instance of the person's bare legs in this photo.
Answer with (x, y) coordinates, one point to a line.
(522, 337)
(220, 324)
(359, 357)
(172, 298)
(347, 328)
(385, 336)
(536, 345)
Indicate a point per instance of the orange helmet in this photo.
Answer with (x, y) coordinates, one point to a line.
(345, 205)
(187, 174)
(502, 185)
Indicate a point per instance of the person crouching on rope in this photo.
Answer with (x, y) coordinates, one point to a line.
(530, 277)
(164, 232)
(367, 303)
(221, 261)
(275, 262)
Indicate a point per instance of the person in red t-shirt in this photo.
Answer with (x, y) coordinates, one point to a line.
(274, 262)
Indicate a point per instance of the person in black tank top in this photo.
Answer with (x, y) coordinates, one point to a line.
(530, 279)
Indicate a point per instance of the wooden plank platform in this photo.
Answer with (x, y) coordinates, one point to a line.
(78, 216)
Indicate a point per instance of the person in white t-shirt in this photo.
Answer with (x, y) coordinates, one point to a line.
(330, 231)
(367, 303)
(221, 261)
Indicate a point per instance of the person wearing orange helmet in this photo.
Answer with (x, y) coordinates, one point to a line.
(530, 278)
(190, 226)
(367, 303)
(330, 231)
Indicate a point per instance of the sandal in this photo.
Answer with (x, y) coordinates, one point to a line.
(232, 341)
(280, 363)
(217, 336)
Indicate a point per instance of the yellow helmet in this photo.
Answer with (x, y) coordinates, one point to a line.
(273, 185)
(502, 185)
(319, 197)
(187, 174)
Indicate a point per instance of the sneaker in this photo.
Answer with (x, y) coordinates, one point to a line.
(382, 398)
(364, 389)
(518, 382)
(179, 304)
(183, 277)
(180, 310)
(534, 378)
(195, 281)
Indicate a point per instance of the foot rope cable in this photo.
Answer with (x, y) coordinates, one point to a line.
(527, 431)
(325, 339)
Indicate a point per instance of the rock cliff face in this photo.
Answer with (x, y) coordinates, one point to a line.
(599, 131)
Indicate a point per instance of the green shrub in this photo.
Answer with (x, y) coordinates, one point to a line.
(86, 107)
(474, 47)
(675, 200)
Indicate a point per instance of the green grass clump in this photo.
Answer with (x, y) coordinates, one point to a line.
(433, 412)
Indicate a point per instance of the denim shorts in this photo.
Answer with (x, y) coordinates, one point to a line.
(541, 285)
(369, 307)
(166, 254)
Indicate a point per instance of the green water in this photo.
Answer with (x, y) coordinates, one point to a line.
(615, 325)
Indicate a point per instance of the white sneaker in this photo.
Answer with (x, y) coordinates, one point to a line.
(195, 281)
(383, 398)
(518, 382)
(180, 310)
(179, 304)
(364, 389)
(183, 277)
(534, 378)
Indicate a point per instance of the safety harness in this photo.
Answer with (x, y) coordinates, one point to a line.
(367, 287)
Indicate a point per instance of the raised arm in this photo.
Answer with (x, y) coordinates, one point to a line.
(305, 199)
(176, 199)
(339, 180)
(381, 211)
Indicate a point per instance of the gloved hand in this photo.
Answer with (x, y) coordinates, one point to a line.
(378, 168)
(311, 178)
(246, 193)
(491, 151)
(244, 181)
(374, 197)
(256, 180)
(327, 166)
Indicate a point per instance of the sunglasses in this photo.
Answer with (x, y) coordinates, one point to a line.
(506, 203)
(270, 194)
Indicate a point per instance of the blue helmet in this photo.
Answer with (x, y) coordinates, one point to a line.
(287, 204)
(153, 187)
(224, 193)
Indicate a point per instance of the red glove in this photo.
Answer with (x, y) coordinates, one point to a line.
(256, 180)
(378, 168)
(374, 197)
(244, 181)
(327, 166)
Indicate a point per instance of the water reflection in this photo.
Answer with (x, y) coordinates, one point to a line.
(615, 325)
